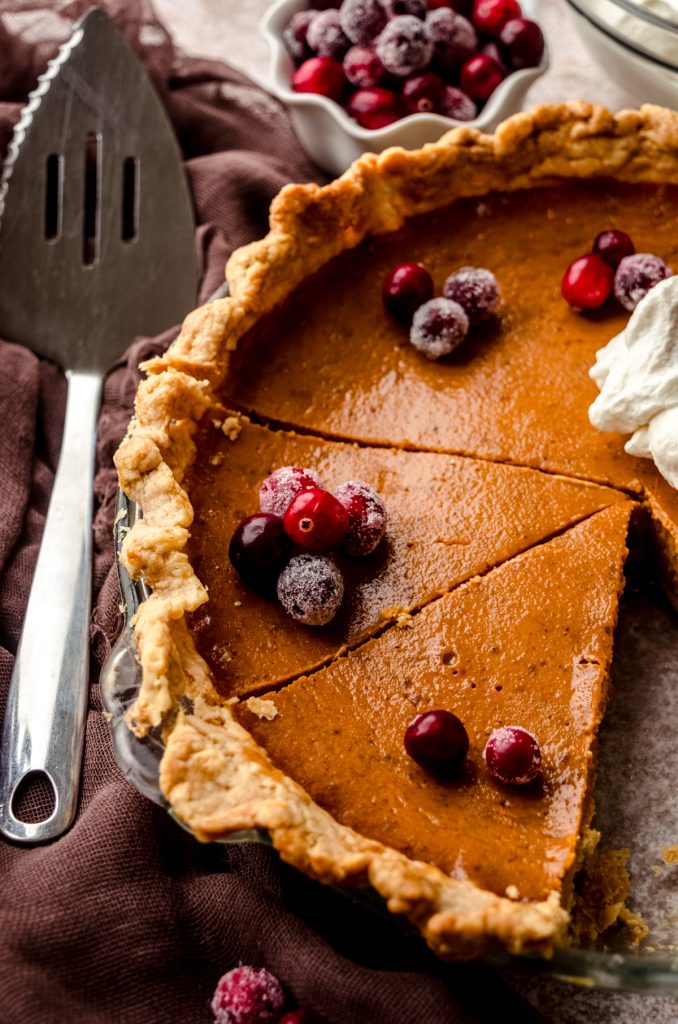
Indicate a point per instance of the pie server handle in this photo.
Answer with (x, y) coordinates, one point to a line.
(44, 723)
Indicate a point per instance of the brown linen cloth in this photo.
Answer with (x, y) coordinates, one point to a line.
(126, 918)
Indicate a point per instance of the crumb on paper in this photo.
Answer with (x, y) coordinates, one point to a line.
(513, 892)
(670, 854)
(657, 868)
(231, 428)
(107, 715)
(262, 708)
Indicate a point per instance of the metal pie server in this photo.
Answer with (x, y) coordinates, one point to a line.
(96, 247)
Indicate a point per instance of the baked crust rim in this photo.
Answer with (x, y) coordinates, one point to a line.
(215, 777)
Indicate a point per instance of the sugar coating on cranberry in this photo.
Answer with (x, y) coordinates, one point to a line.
(363, 68)
(374, 108)
(322, 75)
(423, 94)
(417, 8)
(454, 38)
(404, 46)
(362, 20)
(366, 517)
(326, 37)
(613, 246)
(278, 490)
(311, 589)
(295, 35)
(513, 756)
(315, 520)
(438, 327)
(458, 105)
(246, 995)
(636, 275)
(437, 740)
(476, 290)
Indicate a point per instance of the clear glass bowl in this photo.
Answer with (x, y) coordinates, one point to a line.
(635, 797)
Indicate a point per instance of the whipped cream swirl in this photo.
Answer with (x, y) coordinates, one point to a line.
(637, 373)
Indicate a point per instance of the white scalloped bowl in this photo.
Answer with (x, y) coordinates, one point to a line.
(334, 140)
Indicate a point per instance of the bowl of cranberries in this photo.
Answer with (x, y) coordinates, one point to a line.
(362, 75)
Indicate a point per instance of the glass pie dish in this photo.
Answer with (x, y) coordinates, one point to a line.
(635, 794)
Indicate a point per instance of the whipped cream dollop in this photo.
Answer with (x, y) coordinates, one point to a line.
(637, 373)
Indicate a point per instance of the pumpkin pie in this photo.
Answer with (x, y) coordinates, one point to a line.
(491, 447)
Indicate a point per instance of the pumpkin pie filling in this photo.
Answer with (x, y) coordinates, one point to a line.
(449, 518)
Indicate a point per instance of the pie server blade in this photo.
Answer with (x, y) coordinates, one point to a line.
(96, 247)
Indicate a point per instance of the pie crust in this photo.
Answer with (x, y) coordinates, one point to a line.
(214, 775)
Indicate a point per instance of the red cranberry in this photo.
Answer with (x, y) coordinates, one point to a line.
(248, 996)
(259, 548)
(423, 94)
(374, 108)
(490, 16)
(366, 517)
(438, 327)
(476, 290)
(458, 105)
(523, 41)
(320, 75)
(587, 283)
(407, 287)
(454, 39)
(491, 49)
(315, 520)
(613, 246)
(326, 37)
(417, 8)
(294, 35)
(437, 741)
(404, 46)
(480, 76)
(362, 20)
(301, 1016)
(636, 275)
(513, 756)
(311, 589)
(278, 489)
(363, 68)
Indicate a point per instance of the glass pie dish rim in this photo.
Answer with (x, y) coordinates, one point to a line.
(139, 760)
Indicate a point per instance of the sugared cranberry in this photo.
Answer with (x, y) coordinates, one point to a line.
(490, 16)
(513, 756)
(523, 41)
(636, 275)
(315, 520)
(295, 35)
(476, 290)
(374, 108)
(587, 283)
(480, 76)
(458, 105)
(321, 75)
(278, 489)
(405, 288)
(454, 38)
(417, 8)
(311, 589)
(326, 37)
(423, 94)
(438, 327)
(613, 246)
(437, 741)
(363, 68)
(259, 548)
(491, 49)
(404, 47)
(366, 517)
(247, 996)
(362, 20)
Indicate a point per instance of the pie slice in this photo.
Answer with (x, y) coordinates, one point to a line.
(449, 519)
(530, 643)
